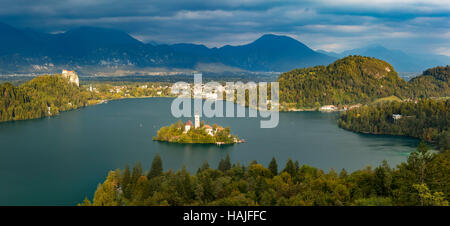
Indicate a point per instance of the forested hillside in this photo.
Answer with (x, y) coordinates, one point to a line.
(42, 96)
(356, 79)
(433, 82)
(421, 180)
(427, 120)
(349, 80)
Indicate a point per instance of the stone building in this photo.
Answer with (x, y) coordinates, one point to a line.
(72, 76)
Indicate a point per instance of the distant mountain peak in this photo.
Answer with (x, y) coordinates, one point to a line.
(272, 37)
(277, 38)
(82, 40)
(105, 35)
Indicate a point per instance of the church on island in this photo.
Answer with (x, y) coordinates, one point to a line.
(208, 129)
(196, 133)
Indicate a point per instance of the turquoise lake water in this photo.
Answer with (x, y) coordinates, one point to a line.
(60, 160)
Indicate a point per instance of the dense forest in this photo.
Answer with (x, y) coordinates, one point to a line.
(427, 119)
(42, 96)
(176, 133)
(421, 180)
(433, 82)
(356, 79)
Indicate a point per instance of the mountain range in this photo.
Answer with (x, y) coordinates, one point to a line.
(93, 50)
(90, 48)
(402, 62)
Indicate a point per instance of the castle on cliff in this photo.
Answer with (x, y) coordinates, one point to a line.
(72, 76)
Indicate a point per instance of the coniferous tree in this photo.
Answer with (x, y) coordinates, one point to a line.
(290, 167)
(126, 180)
(204, 166)
(273, 166)
(383, 179)
(227, 163)
(343, 173)
(297, 166)
(137, 172)
(221, 165)
(224, 164)
(188, 189)
(156, 168)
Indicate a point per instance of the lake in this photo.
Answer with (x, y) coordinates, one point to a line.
(61, 160)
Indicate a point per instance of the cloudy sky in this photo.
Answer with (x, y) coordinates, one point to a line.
(332, 25)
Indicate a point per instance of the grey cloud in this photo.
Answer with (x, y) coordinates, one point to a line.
(414, 26)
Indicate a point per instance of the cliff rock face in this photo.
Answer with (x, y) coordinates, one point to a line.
(72, 76)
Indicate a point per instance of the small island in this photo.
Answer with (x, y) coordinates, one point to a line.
(199, 133)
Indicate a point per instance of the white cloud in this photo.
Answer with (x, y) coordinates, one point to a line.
(337, 28)
(418, 5)
(398, 34)
(331, 47)
(202, 15)
(443, 51)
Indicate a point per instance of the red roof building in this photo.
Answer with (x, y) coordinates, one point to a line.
(220, 128)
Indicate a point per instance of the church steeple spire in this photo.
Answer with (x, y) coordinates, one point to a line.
(197, 121)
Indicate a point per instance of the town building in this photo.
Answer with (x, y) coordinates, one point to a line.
(328, 108)
(396, 116)
(208, 129)
(188, 126)
(219, 128)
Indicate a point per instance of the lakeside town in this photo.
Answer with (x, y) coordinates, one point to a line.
(109, 91)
